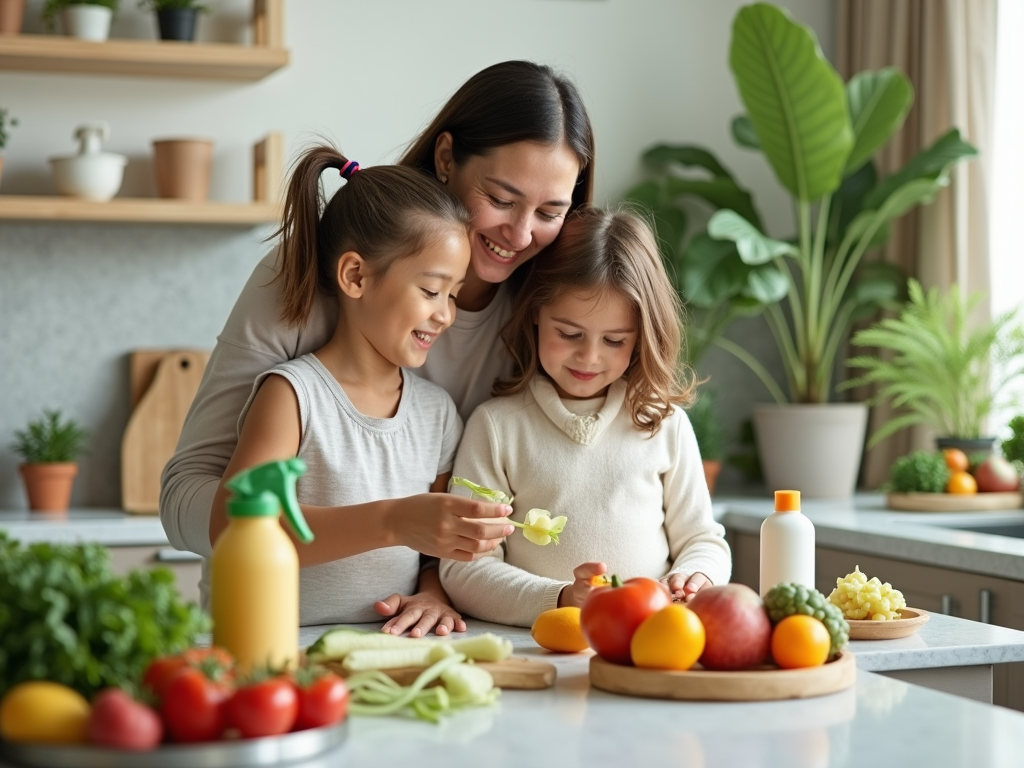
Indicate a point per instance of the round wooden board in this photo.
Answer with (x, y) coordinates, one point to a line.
(953, 502)
(911, 620)
(767, 684)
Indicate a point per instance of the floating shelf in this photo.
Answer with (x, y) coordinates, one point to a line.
(155, 58)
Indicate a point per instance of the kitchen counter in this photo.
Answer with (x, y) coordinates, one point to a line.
(110, 527)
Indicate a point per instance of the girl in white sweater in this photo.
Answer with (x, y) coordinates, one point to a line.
(590, 427)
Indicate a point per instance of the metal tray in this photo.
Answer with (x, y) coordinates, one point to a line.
(239, 753)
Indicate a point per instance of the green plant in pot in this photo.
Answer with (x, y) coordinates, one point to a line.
(176, 19)
(707, 428)
(49, 448)
(6, 123)
(819, 135)
(84, 19)
(943, 372)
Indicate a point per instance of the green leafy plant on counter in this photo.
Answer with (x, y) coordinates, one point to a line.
(65, 617)
(52, 9)
(50, 439)
(945, 372)
(6, 123)
(707, 426)
(1013, 446)
(919, 472)
(819, 135)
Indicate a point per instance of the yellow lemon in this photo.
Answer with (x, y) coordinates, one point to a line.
(559, 630)
(43, 712)
(672, 638)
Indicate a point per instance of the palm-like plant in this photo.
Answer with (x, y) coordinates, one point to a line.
(50, 440)
(943, 373)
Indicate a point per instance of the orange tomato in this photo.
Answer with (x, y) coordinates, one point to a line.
(800, 641)
(956, 459)
(672, 638)
(961, 482)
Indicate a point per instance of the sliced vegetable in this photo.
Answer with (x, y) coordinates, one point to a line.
(485, 647)
(540, 528)
(358, 650)
(487, 494)
(388, 658)
(468, 685)
(336, 644)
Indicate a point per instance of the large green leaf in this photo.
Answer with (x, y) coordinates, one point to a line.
(754, 246)
(712, 272)
(766, 284)
(720, 192)
(876, 284)
(929, 163)
(669, 220)
(848, 200)
(744, 133)
(879, 102)
(795, 99)
(686, 155)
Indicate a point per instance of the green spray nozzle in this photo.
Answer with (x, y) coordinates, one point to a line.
(266, 489)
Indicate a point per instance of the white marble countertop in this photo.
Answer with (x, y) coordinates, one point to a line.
(110, 527)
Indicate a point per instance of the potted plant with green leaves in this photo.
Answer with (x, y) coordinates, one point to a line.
(707, 428)
(944, 372)
(50, 448)
(84, 19)
(819, 135)
(176, 19)
(6, 123)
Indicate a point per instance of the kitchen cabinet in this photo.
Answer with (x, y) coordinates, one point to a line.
(989, 599)
(185, 566)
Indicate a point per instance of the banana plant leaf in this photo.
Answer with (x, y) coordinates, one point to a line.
(879, 102)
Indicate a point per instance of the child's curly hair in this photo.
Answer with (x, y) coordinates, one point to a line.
(597, 249)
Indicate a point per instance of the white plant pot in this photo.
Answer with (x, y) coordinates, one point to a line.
(814, 449)
(87, 22)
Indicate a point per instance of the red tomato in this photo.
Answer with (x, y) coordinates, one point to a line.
(193, 705)
(264, 708)
(161, 670)
(323, 700)
(610, 615)
(117, 720)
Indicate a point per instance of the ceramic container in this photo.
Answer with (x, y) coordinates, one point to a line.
(87, 22)
(91, 174)
(182, 168)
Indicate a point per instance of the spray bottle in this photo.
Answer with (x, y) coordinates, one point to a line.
(254, 569)
(787, 544)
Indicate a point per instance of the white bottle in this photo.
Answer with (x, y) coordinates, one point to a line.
(787, 544)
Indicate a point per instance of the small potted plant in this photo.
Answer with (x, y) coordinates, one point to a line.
(50, 447)
(707, 427)
(84, 19)
(6, 123)
(943, 372)
(176, 19)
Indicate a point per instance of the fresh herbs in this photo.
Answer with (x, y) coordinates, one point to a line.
(1013, 447)
(538, 527)
(50, 440)
(65, 617)
(920, 472)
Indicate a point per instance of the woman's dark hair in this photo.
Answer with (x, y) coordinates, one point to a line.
(506, 103)
(598, 249)
(383, 213)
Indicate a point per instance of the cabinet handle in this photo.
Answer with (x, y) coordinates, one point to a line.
(171, 555)
(946, 604)
(985, 606)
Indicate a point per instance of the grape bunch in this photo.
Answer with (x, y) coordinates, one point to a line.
(862, 598)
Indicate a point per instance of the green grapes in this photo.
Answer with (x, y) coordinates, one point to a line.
(863, 598)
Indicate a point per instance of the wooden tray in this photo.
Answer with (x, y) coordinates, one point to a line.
(911, 620)
(766, 684)
(514, 672)
(954, 502)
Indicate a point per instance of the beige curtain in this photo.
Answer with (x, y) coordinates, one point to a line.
(947, 49)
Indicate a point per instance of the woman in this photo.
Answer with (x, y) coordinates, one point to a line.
(515, 145)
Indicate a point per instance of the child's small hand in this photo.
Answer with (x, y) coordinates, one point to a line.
(423, 611)
(576, 593)
(683, 588)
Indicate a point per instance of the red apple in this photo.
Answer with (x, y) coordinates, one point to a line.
(118, 721)
(995, 474)
(736, 625)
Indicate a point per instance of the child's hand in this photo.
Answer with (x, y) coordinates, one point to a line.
(423, 611)
(683, 589)
(576, 593)
(449, 526)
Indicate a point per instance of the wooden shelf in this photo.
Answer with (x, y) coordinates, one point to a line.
(155, 58)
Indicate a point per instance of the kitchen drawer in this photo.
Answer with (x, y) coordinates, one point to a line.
(186, 566)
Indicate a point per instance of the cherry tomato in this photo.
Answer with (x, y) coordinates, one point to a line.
(193, 705)
(162, 669)
(610, 615)
(323, 700)
(264, 708)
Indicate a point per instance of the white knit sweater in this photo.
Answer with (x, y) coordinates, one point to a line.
(634, 501)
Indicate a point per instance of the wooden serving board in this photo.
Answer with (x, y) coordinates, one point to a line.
(697, 684)
(911, 620)
(954, 502)
(514, 672)
(163, 384)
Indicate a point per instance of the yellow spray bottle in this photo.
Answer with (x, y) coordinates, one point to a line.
(254, 569)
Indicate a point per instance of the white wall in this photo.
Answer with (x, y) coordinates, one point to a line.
(74, 299)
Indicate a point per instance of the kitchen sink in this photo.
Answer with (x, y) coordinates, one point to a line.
(1013, 529)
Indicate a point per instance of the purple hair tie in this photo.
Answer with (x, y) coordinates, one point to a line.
(350, 167)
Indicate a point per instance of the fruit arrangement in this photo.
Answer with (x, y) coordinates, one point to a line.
(860, 598)
(952, 471)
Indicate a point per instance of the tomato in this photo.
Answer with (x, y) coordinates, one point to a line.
(161, 670)
(264, 708)
(612, 614)
(118, 721)
(193, 705)
(323, 700)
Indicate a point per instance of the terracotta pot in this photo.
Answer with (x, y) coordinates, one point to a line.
(711, 470)
(11, 14)
(49, 485)
(1, 167)
(182, 168)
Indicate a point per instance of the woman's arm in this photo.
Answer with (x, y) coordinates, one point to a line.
(435, 524)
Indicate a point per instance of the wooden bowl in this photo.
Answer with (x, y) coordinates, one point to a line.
(763, 684)
(911, 620)
(953, 502)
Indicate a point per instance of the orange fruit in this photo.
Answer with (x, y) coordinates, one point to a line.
(961, 482)
(800, 641)
(956, 459)
(559, 630)
(672, 638)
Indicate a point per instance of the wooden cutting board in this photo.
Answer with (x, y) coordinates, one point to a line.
(954, 502)
(163, 384)
(514, 672)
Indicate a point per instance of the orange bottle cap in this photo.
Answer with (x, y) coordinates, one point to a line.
(787, 501)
